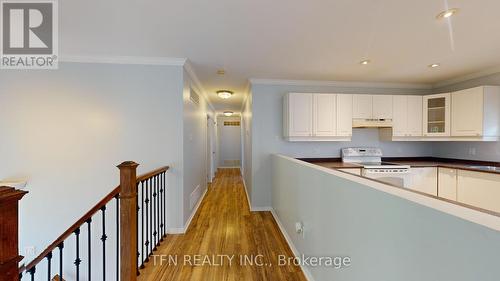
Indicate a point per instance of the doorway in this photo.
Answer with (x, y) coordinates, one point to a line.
(211, 149)
(229, 138)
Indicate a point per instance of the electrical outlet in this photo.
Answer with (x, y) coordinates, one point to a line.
(299, 229)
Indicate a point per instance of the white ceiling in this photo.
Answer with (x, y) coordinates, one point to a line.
(290, 39)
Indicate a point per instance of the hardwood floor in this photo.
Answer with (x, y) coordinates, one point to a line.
(224, 225)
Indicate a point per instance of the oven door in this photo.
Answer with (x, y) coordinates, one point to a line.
(400, 179)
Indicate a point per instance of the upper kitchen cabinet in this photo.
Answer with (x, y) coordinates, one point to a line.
(362, 107)
(317, 117)
(476, 113)
(436, 115)
(382, 107)
(372, 111)
(407, 116)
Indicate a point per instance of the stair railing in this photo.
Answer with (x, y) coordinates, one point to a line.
(140, 216)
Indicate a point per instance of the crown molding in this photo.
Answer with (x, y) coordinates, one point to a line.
(197, 83)
(282, 82)
(467, 77)
(124, 60)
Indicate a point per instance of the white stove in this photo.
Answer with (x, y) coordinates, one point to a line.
(370, 158)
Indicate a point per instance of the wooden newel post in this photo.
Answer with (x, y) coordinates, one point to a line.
(128, 221)
(9, 233)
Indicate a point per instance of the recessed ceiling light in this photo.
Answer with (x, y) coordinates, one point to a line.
(446, 14)
(365, 62)
(228, 113)
(434, 65)
(224, 94)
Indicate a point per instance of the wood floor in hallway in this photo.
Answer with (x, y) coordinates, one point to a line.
(224, 225)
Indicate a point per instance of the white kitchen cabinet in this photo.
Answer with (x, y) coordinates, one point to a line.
(479, 189)
(317, 117)
(299, 108)
(362, 106)
(324, 115)
(436, 115)
(447, 183)
(344, 115)
(382, 107)
(423, 179)
(475, 112)
(407, 116)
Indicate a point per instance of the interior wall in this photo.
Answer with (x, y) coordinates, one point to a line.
(195, 147)
(246, 140)
(267, 134)
(385, 236)
(229, 142)
(486, 151)
(67, 129)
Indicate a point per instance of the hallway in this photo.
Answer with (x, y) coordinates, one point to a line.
(224, 232)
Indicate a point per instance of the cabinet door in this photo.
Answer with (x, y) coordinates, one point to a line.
(344, 115)
(400, 116)
(423, 180)
(479, 189)
(382, 107)
(467, 112)
(362, 106)
(300, 114)
(436, 113)
(414, 115)
(325, 115)
(447, 183)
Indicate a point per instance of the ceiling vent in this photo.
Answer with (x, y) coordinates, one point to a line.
(194, 97)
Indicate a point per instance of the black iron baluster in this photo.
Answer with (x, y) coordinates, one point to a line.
(117, 196)
(137, 226)
(103, 239)
(155, 206)
(77, 260)
(151, 216)
(147, 222)
(61, 247)
(20, 275)
(158, 210)
(161, 208)
(32, 273)
(142, 224)
(164, 206)
(89, 249)
(49, 265)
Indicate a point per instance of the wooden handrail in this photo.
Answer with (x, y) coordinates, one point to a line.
(115, 192)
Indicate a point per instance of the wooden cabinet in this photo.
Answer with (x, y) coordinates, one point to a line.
(344, 115)
(317, 117)
(423, 179)
(475, 112)
(362, 106)
(324, 115)
(407, 116)
(382, 107)
(447, 183)
(436, 115)
(479, 189)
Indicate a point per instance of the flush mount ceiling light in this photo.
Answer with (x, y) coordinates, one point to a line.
(364, 62)
(446, 14)
(434, 65)
(228, 113)
(221, 72)
(224, 94)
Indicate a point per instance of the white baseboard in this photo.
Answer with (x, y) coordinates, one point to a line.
(261, 209)
(183, 230)
(246, 192)
(294, 249)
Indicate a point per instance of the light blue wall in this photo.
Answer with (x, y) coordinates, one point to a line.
(267, 136)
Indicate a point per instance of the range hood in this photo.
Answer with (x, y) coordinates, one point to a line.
(371, 123)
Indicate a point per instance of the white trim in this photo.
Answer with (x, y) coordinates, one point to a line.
(467, 77)
(195, 210)
(124, 60)
(197, 83)
(294, 249)
(339, 138)
(246, 191)
(261, 209)
(468, 214)
(340, 84)
(179, 230)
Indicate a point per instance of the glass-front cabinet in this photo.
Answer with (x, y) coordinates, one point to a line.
(436, 112)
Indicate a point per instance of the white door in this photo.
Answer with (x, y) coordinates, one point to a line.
(344, 115)
(300, 114)
(424, 180)
(447, 183)
(479, 189)
(400, 116)
(467, 112)
(362, 106)
(414, 116)
(382, 107)
(436, 115)
(325, 115)
(229, 141)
